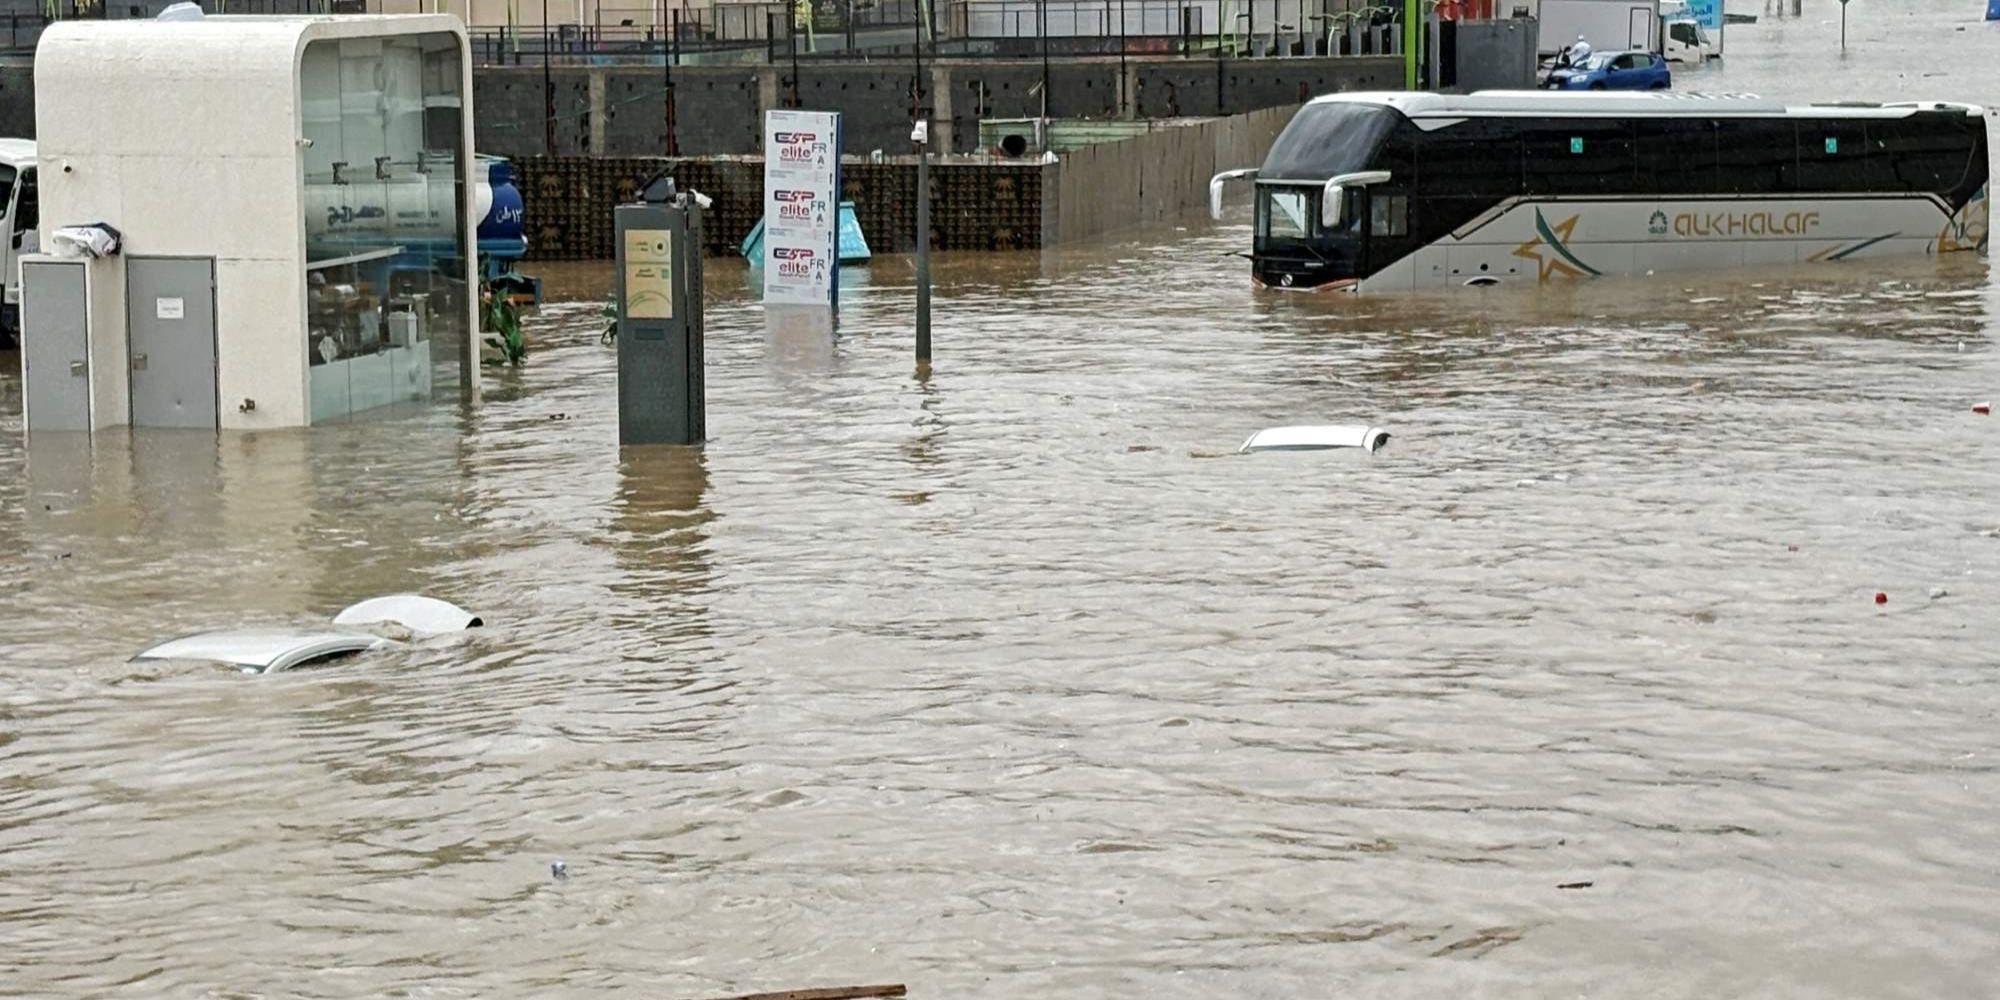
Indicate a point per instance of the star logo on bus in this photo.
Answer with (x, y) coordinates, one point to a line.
(1549, 249)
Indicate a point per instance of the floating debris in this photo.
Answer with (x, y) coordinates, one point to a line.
(830, 993)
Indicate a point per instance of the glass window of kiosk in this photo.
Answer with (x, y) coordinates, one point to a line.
(386, 261)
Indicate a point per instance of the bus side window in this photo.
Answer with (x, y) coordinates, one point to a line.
(1756, 156)
(1921, 155)
(1389, 215)
(1834, 158)
(1676, 156)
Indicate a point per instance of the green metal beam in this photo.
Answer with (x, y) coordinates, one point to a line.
(1410, 23)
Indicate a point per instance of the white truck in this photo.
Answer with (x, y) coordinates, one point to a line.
(1608, 25)
(1683, 39)
(1668, 27)
(21, 225)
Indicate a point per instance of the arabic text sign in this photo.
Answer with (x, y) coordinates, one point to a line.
(801, 206)
(1707, 13)
(649, 270)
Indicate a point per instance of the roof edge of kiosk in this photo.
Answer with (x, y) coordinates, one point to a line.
(242, 27)
(1623, 104)
(253, 40)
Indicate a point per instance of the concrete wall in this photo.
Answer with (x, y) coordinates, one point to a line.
(1156, 176)
(17, 102)
(1495, 55)
(718, 110)
(1170, 88)
(976, 204)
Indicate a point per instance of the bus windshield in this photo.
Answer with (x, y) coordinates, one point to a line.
(1286, 216)
(1324, 140)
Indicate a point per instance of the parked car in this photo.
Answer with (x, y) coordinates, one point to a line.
(1631, 70)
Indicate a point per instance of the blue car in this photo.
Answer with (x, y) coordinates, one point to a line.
(1633, 70)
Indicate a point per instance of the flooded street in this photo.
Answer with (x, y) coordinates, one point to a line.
(1015, 680)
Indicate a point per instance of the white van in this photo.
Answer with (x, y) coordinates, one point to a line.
(21, 223)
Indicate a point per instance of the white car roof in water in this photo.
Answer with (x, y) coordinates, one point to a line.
(1622, 104)
(266, 650)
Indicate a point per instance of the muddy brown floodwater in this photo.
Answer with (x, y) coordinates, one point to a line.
(1014, 681)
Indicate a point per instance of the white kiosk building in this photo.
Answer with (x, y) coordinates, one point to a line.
(292, 197)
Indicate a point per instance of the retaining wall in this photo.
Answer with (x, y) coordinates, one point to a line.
(1159, 175)
(976, 203)
(998, 205)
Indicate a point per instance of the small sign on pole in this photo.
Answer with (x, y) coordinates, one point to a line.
(802, 207)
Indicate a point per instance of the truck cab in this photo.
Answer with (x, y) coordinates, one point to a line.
(21, 225)
(1682, 38)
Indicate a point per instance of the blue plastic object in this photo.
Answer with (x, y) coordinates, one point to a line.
(1993, 10)
(503, 217)
(853, 244)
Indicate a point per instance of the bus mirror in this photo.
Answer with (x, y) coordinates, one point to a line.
(1330, 195)
(1215, 188)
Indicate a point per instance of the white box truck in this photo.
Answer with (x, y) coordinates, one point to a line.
(1608, 25)
(19, 229)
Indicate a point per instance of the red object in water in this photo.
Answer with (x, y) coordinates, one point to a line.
(1982, 407)
(1881, 598)
(1465, 10)
(1791, 548)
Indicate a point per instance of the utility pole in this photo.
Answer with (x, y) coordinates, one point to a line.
(667, 41)
(792, 33)
(548, 88)
(920, 135)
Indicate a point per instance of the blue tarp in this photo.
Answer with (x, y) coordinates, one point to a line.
(853, 245)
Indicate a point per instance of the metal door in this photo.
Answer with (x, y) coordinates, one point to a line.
(170, 303)
(55, 347)
(1641, 31)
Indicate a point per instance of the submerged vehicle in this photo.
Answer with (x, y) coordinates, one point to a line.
(1372, 191)
(1682, 38)
(1614, 71)
(271, 650)
(19, 226)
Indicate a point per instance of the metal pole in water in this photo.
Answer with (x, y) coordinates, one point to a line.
(792, 35)
(923, 253)
(548, 88)
(920, 134)
(1843, 27)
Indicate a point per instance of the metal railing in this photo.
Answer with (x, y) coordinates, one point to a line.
(24, 28)
(633, 35)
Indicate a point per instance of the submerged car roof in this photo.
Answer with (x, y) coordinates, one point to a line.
(266, 650)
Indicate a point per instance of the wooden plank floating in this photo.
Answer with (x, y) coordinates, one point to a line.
(830, 993)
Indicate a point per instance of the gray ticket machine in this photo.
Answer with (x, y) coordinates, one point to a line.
(660, 392)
